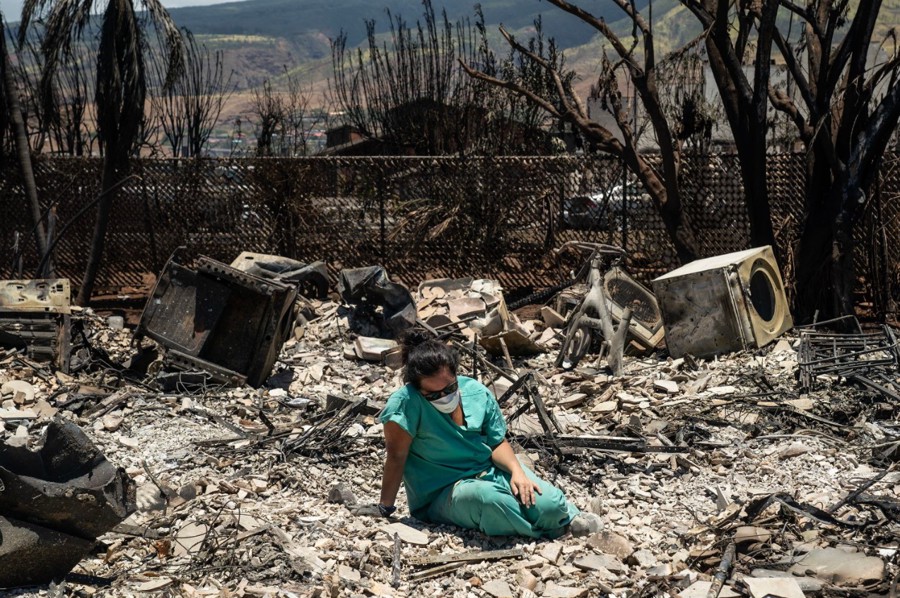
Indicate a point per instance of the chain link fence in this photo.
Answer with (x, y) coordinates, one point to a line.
(420, 217)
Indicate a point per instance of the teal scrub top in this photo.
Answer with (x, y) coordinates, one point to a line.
(441, 452)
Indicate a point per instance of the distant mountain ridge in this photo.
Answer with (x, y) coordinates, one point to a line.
(261, 39)
(288, 18)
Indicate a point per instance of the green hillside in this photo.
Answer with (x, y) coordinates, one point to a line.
(262, 38)
(293, 19)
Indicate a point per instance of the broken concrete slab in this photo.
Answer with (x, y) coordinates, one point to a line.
(667, 386)
(408, 534)
(592, 563)
(552, 318)
(774, 587)
(840, 567)
(700, 589)
(498, 589)
(373, 349)
(189, 539)
(555, 590)
(806, 584)
(22, 392)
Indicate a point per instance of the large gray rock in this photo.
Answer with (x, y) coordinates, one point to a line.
(55, 501)
(67, 485)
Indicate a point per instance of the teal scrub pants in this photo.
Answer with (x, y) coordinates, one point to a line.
(486, 503)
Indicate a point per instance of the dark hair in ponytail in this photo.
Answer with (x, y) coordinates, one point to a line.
(423, 356)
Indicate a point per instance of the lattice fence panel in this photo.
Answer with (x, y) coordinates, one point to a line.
(419, 217)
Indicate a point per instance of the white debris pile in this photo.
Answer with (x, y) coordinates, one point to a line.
(249, 492)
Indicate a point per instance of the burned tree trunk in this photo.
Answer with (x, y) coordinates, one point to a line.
(21, 138)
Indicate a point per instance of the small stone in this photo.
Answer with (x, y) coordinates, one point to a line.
(342, 495)
(585, 524)
(605, 407)
(597, 506)
(643, 558)
(794, 450)
(552, 551)
(667, 386)
(475, 581)
(526, 580)
(593, 562)
(113, 421)
(611, 543)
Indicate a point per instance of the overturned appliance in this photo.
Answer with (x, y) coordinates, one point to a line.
(370, 285)
(55, 502)
(227, 324)
(724, 303)
(35, 318)
(312, 279)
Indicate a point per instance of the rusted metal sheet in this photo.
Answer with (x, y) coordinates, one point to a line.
(723, 303)
(35, 317)
(219, 320)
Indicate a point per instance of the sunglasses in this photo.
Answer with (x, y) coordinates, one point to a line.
(440, 394)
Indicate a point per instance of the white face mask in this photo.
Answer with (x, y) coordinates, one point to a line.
(447, 404)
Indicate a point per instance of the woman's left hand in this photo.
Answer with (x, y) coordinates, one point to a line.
(523, 488)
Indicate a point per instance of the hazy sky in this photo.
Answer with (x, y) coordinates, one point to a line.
(12, 9)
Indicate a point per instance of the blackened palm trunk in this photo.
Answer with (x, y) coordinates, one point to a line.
(22, 148)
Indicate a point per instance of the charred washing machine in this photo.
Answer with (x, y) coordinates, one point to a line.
(724, 303)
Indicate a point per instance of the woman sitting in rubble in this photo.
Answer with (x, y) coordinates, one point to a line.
(445, 438)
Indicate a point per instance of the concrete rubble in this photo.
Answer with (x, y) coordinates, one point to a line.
(245, 491)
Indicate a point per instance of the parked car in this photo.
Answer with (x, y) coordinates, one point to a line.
(605, 210)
